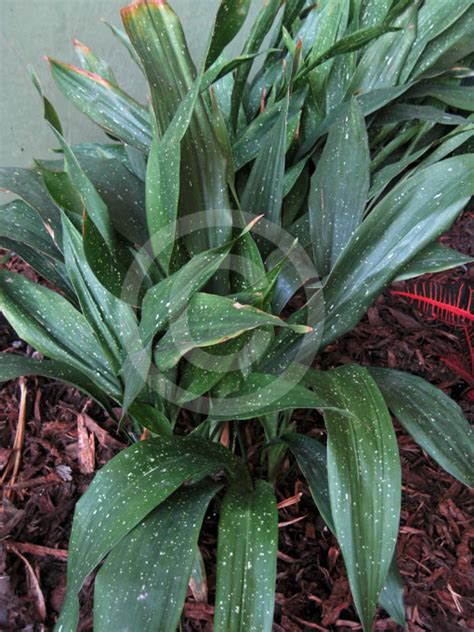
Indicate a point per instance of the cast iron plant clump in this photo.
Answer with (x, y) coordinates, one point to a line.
(321, 163)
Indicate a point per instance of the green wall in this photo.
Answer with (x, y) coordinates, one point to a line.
(31, 29)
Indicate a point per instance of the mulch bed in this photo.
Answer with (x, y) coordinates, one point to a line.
(67, 437)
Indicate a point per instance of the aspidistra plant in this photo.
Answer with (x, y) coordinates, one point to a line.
(178, 238)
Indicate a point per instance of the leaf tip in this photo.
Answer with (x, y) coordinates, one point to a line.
(78, 44)
(137, 4)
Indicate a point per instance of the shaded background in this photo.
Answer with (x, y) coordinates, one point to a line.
(31, 29)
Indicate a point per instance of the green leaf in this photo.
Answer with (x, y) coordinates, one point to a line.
(23, 231)
(113, 321)
(198, 377)
(152, 418)
(28, 184)
(49, 113)
(50, 269)
(391, 595)
(223, 67)
(260, 28)
(164, 301)
(332, 22)
(435, 151)
(347, 44)
(434, 420)
(369, 102)
(163, 180)
(450, 45)
(135, 371)
(229, 20)
(404, 112)
(339, 188)
(264, 191)
(435, 17)
(461, 97)
(383, 61)
(263, 394)
(408, 219)
(374, 11)
(111, 506)
(92, 201)
(50, 324)
(142, 585)
(19, 222)
(434, 258)
(208, 320)
(248, 145)
(312, 461)
(246, 559)
(15, 366)
(126, 205)
(93, 63)
(452, 142)
(125, 40)
(60, 188)
(157, 35)
(105, 103)
(162, 197)
(364, 484)
(108, 257)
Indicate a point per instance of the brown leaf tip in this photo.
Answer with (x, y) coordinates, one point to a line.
(79, 44)
(137, 4)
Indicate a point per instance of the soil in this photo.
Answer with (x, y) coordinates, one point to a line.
(67, 438)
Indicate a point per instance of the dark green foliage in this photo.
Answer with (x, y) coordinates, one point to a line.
(325, 166)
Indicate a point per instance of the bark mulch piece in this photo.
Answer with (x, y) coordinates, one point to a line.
(67, 438)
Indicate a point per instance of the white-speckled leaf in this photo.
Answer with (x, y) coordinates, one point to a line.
(23, 231)
(383, 60)
(107, 255)
(51, 325)
(246, 560)
(91, 62)
(260, 28)
(263, 394)
(257, 133)
(312, 461)
(339, 187)
(408, 219)
(391, 595)
(142, 585)
(229, 20)
(208, 320)
(126, 490)
(435, 17)
(450, 46)
(433, 258)
(167, 299)
(264, 190)
(113, 321)
(163, 180)
(105, 103)
(19, 222)
(157, 36)
(433, 419)
(13, 366)
(364, 484)
(28, 184)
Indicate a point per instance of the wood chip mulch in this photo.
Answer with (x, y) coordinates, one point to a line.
(66, 438)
